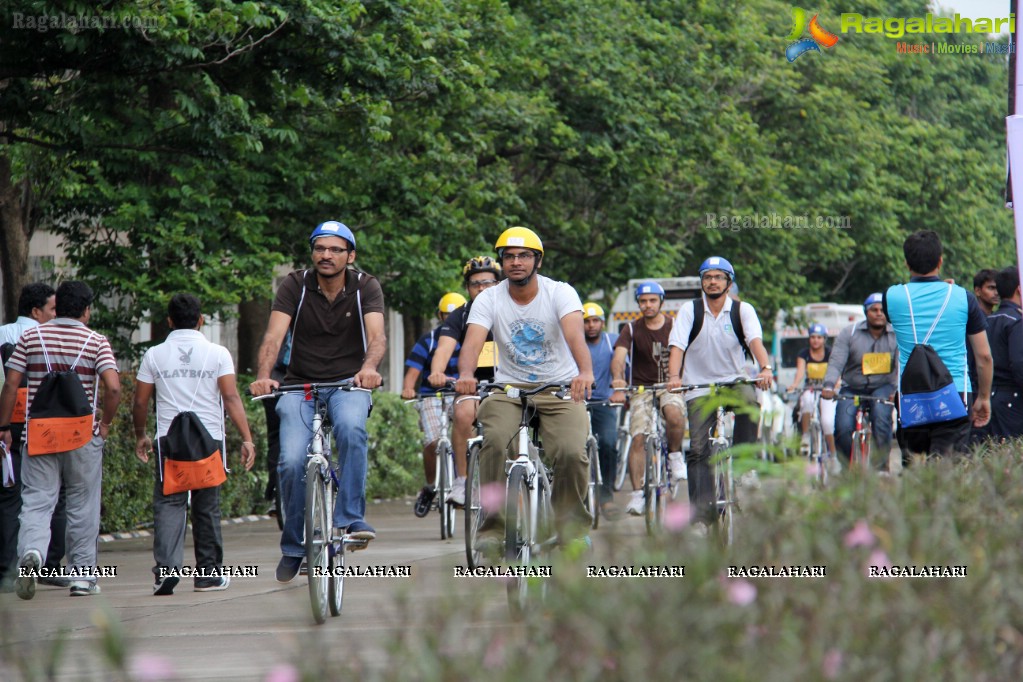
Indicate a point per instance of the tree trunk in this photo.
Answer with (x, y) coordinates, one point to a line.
(253, 317)
(15, 232)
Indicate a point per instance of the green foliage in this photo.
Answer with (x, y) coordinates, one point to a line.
(707, 626)
(395, 462)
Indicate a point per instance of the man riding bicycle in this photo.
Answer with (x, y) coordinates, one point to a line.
(431, 407)
(603, 418)
(646, 345)
(479, 273)
(537, 325)
(336, 317)
(865, 356)
(708, 345)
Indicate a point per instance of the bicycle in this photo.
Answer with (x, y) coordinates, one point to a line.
(596, 477)
(862, 436)
(529, 513)
(325, 550)
(623, 442)
(445, 469)
(657, 485)
(817, 452)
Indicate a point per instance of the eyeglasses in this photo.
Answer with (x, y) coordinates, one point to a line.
(482, 284)
(332, 250)
(715, 278)
(524, 256)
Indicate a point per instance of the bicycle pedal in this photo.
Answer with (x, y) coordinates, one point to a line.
(355, 544)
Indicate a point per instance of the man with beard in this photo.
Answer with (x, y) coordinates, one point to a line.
(865, 356)
(603, 418)
(336, 317)
(537, 324)
(645, 344)
(709, 343)
(1005, 334)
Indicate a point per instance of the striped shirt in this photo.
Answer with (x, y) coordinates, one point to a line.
(421, 356)
(63, 339)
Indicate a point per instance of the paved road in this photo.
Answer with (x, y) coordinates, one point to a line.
(243, 632)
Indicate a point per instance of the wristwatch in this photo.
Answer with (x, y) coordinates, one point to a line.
(768, 368)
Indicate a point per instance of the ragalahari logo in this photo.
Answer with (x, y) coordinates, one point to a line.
(819, 37)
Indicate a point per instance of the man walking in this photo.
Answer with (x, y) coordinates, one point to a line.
(187, 372)
(65, 344)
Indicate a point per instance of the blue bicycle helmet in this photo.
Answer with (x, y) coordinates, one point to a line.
(649, 288)
(333, 228)
(717, 263)
(871, 300)
(818, 329)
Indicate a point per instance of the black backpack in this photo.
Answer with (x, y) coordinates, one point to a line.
(61, 416)
(736, 317)
(927, 393)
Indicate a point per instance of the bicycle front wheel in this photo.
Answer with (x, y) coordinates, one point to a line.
(653, 497)
(817, 453)
(447, 511)
(317, 539)
(725, 489)
(336, 549)
(592, 493)
(518, 537)
(474, 513)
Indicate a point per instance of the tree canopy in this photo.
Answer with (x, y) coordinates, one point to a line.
(194, 145)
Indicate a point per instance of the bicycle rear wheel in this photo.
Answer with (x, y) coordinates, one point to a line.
(317, 539)
(447, 511)
(622, 445)
(518, 540)
(474, 512)
(592, 493)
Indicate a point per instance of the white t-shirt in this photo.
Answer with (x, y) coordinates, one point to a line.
(187, 364)
(531, 347)
(716, 355)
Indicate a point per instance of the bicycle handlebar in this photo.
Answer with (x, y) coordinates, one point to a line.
(344, 385)
(868, 398)
(684, 387)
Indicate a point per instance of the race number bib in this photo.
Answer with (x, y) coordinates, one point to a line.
(488, 356)
(877, 363)
(815, 371)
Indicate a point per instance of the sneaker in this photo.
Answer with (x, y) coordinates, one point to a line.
(55, 581)
(166, 585)
(457, 494)
(25, 586)
(699, 529)
(677, 467)
(424, 501)
(287, 568)
(804, 445)
(360, 530)
(637, 503)
(215, 584)
(610, 511)
(84, 588)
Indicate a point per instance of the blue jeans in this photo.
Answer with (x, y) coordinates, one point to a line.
(348, 411)
(880, 422)
(604, 421)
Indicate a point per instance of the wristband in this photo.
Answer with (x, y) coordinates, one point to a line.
(247, 442)
(5, 427)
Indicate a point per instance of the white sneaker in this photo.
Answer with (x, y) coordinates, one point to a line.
(457, 494)
(677, 467)
(637, 503)
(804, 445)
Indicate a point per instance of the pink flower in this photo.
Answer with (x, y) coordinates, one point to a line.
(878, 559)
(151, 667)
(740, 592)
(283, 672)
(831, 664)
(860, 535)
(492, 496)
(812, 469)
(676, 516)
(494, 655)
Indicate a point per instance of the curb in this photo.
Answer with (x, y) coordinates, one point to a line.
(133, 534)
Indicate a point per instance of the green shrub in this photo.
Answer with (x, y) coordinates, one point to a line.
(395, 461)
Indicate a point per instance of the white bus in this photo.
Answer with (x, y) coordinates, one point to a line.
(677, 290)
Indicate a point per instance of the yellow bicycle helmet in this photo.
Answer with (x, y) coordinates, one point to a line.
(451, 301)
(522, 237)
(481, 264)
(591, 309)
